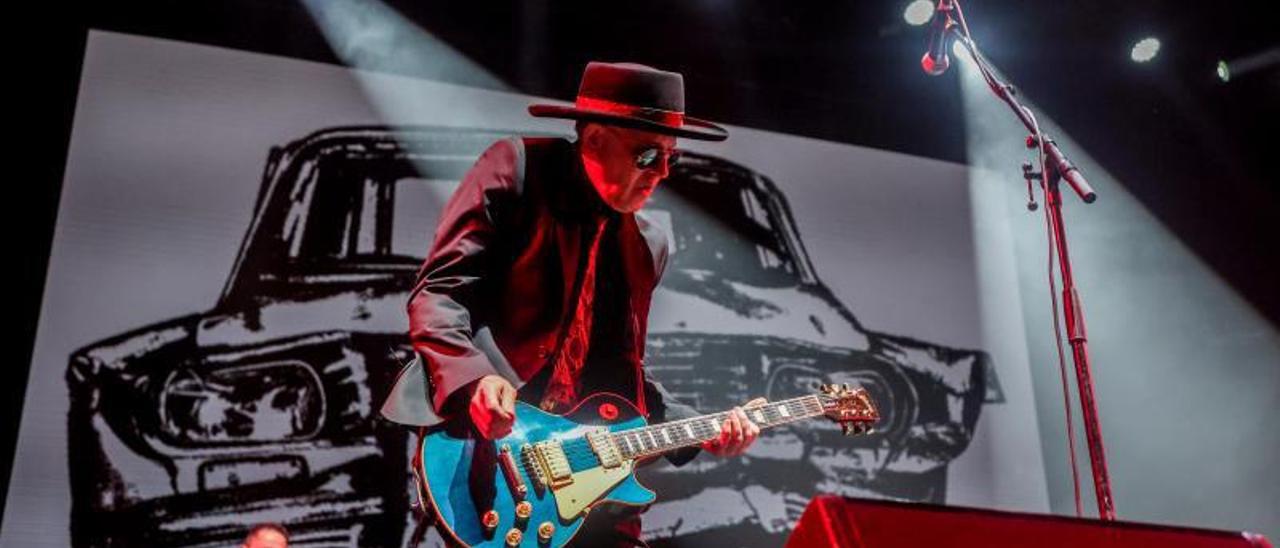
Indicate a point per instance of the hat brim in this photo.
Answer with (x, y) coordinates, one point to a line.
(693, 128)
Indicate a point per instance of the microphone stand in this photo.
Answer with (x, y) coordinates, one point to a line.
(1056, 168)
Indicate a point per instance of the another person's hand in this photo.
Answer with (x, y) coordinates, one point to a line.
(737, 433)
(493, 407)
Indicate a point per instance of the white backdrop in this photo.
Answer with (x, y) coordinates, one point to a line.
(166, 156)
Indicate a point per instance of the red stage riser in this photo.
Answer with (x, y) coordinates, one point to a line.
(854, 523)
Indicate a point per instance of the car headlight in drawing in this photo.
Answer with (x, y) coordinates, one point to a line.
(254, 403)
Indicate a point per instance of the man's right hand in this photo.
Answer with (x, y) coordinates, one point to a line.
(493, 406)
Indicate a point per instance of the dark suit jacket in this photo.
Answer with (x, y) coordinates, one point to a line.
(495, 294)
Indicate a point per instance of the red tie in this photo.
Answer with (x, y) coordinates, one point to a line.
(562, 390)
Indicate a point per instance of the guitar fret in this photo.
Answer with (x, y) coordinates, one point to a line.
(659, 438)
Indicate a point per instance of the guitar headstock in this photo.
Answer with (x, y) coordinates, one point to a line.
(851, 407)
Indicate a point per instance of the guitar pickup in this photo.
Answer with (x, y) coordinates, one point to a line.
(509, 470)
(605, 448)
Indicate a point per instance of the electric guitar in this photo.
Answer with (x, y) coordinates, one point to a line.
(535, 487)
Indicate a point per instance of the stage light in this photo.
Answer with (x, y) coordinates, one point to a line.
(1237, 68)
(1145, 50)
(372, 36)
(918, 12)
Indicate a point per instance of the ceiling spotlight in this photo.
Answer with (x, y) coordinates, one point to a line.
(918, 12)
(1145, 50)
(1224, 71)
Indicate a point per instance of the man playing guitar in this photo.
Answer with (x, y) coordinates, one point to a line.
(538, 283)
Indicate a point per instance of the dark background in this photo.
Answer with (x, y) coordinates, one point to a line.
(1193, 150)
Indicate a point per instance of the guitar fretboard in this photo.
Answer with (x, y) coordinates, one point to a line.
(660, 438)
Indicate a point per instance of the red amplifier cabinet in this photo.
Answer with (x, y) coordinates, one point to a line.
(857, 523)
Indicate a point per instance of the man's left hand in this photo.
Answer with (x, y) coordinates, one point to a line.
(736, 434)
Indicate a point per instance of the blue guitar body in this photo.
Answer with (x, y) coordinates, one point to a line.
(464, 476)
(534, 487)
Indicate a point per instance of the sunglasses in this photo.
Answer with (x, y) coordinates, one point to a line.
(648, 157)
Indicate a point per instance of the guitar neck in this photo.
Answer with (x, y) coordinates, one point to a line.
(669, 436)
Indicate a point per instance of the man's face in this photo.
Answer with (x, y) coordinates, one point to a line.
(609, 155)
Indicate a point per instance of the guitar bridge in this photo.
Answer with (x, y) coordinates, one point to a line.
(549, 463)
(531, 466)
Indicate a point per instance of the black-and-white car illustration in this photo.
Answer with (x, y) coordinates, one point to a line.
(264, 407)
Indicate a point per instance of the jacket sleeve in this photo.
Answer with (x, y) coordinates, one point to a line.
(451, 281)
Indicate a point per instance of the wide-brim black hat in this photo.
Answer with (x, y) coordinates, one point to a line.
(633, 96)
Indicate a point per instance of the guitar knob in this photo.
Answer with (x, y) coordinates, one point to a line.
(523, 510)
(490, 522)
(513, 537)
(545, 531)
